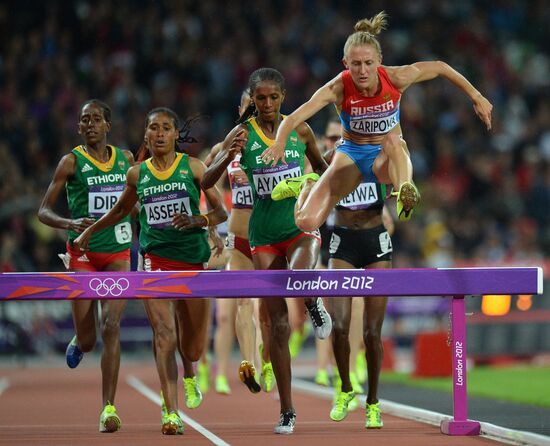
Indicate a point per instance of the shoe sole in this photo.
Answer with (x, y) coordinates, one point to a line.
(171, 429)
(409, 197)
(110, 425)
(247, 373)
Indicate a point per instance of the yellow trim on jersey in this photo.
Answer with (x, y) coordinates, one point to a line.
(104, 167)
(260, 132)
(164, 174)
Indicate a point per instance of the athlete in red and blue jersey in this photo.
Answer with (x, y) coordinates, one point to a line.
(367, 95)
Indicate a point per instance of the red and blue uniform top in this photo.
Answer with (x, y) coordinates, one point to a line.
(363, 117)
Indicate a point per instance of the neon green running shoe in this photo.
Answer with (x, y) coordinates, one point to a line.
(373, 416)
(339, 410)
(109, 421)
(291, 187)
(357, 387)
(297, 339)
(322, 378)
(203, 372)
(267, 377)
(193, 395)
(222, 386)
(407, 199)
(361, 366)
(172, 424)
(163, 408)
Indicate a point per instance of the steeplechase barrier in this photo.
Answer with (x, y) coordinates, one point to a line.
(456, 283)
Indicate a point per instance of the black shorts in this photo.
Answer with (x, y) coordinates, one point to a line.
(361, 247)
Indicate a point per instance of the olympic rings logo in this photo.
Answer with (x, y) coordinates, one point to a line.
(109, 286)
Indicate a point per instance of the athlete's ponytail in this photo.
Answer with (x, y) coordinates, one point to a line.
(366, 31)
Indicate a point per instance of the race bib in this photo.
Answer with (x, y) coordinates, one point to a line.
(363, 197)
(241, 196)
(266, 178)
(372, 125)
(160, 209)
(101, 199)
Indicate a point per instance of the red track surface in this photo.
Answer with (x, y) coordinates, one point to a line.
(58, 406)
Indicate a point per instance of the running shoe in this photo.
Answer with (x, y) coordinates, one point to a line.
(291, 187)
(203, 372)
(373, 416)
(267, 377)
(339, 410)
(222, 386)
(247, 374)
(163, 408)
(193, 395)
(407, 199)
(73, 354)
(322, 378)
(297, 339)
(322, 323)
(357, 387)
(361, 366)
(172, 424)
(286, 423)
(109, 421)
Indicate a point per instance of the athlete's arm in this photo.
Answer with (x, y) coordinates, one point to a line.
(121, 209)
(404, 76)
(330, 93)
(231, 146)
(313, 154)
(216, 213)
(46, 214)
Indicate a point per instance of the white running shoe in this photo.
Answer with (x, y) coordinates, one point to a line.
(322, 323)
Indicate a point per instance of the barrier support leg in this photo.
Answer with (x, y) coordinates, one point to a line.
(459, 424)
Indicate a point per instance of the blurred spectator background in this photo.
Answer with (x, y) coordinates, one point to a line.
(486, 195)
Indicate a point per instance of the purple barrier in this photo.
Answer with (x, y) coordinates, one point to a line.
(455, 282)
(394, 282)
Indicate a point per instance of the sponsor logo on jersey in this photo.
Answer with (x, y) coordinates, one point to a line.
(87, 168)
(255, 146)
(145, 179)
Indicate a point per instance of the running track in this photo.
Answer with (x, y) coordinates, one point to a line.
(58, 406)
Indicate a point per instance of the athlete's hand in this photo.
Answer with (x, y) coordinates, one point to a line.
(80, 224)
(240, 178)
(274, 153)
(183, 221)
(217, 241)
(237, 143)
(82, 241)
(483, 109)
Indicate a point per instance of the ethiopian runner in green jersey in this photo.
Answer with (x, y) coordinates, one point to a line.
(173, 237)
(94, 175)
(275, 241)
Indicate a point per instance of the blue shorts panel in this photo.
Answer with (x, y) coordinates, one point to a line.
(363, 156)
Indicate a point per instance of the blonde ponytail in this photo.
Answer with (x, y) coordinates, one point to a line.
(365, 32)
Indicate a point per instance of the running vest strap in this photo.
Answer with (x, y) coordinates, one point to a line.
(366, 196)
(162, 194)
(93, 190)
(364, 116)
(271, 221)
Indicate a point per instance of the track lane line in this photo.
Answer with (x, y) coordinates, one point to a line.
(153, 396)
(4, 384)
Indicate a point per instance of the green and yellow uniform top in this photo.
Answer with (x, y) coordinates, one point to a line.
(93, 190)
(271, 221)
(162, 195)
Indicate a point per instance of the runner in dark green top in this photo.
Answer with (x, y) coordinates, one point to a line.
(94, 175)
(275, 241)
(172, 237)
